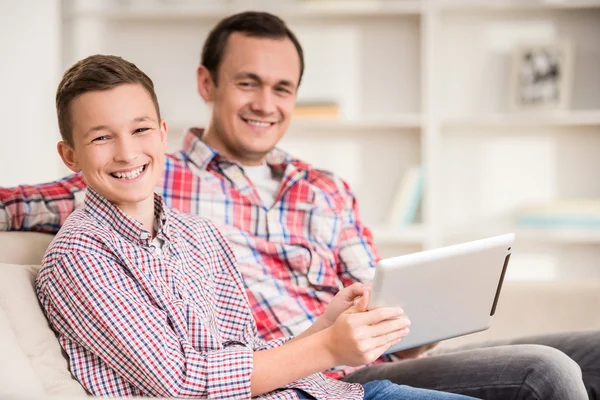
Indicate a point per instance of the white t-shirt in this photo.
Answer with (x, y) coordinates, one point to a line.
(265, 182)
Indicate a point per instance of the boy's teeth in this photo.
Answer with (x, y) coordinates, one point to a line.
(129, 174)
(258, 123)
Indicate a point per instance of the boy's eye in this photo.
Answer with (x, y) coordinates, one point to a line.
(100, 139)
(140, 130)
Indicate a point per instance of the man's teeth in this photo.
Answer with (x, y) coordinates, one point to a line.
(258, 123)
(129, 174)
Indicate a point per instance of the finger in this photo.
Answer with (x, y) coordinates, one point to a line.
(361, 306)
(387, 326)
(389, 339)
(378, 314)
(353, 291)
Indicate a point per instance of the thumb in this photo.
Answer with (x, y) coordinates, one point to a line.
(362, 304)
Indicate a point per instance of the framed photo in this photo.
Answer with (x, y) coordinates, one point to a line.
(541, 77)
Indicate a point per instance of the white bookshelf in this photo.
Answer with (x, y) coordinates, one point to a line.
(417, 82)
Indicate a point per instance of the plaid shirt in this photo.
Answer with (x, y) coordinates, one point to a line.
(137, 322)
(293, 257)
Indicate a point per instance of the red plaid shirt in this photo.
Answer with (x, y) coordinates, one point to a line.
(293, 256)
(137, 322)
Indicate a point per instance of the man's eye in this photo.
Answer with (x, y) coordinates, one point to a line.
(100, 139)
(140, 130)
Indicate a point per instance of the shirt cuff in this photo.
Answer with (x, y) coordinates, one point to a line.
(228, 372)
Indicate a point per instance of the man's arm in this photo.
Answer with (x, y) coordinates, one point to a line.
(41, 208)
(357, 253)
(358, 256)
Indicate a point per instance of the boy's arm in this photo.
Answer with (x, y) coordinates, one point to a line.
(41, 208)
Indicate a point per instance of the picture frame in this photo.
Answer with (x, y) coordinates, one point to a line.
(541, 76)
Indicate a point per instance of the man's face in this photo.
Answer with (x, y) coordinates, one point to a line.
(254, 98)
(118, 144)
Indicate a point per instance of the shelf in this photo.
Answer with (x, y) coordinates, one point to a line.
(559, 235)
(532, 235)
(522, 119)
(517, 5)
(307, 124)
(411, 235)
(137, 10)
(406, 121)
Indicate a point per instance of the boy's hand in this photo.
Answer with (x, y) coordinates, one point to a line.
(359, 337)
(343, 300)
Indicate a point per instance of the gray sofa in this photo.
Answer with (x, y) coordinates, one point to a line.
(34, 366)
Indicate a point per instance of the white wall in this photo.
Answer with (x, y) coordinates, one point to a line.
(29, 73)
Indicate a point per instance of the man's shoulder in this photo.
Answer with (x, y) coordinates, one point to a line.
(329, 184)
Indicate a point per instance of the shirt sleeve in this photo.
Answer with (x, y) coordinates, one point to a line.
(42, 208)
(357, 253)
(96, 304)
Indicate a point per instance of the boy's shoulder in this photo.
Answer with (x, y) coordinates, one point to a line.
(185, 221)
(80, 233)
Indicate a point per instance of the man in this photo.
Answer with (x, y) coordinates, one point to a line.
(296, 230)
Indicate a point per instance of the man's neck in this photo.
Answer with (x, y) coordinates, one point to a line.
(211, 138)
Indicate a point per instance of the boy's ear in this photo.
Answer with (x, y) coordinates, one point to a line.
(205, 83)
(163, 131)
(68, 156)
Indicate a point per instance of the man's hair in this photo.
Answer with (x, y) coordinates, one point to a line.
(93, 73)
(249, 23)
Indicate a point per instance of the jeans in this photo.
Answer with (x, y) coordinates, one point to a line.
(386, 390)
(551, 367)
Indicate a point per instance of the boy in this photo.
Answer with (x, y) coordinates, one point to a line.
(147, 301)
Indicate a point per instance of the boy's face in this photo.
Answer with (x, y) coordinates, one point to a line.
(255, 96)
(118, 144)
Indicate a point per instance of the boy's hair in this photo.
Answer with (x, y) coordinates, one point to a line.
(93, 73)
(250, 23)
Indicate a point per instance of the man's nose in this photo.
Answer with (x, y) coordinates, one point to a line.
(264, 102)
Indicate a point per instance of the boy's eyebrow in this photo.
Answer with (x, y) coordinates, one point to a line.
(254, 77)
(98, 128)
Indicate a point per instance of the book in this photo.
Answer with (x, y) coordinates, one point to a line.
(316, 109)
(407, 198)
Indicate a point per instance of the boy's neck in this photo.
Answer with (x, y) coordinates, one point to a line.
(142, 211)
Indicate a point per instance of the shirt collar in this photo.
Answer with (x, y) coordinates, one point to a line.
(202, 154)
(131, 229)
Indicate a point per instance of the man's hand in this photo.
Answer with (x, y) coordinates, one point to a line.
(415, 351)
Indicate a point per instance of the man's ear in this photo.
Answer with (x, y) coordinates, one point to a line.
(68, 156)
(205, 83)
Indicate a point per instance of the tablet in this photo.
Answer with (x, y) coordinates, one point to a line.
(445, 292)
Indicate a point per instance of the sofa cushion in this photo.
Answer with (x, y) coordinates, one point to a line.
(21, 308)
(23, 247)
(17, 377)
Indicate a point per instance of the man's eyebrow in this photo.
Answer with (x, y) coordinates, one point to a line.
(254, 77)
